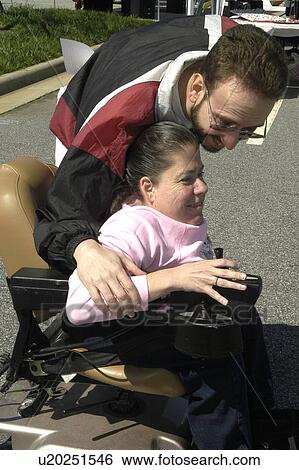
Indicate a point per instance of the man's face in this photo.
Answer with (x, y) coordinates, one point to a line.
(231, 105)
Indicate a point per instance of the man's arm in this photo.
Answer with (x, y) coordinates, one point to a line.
(76, 205)
(81, 194)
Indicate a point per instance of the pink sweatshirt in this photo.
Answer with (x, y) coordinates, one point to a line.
(152, 241)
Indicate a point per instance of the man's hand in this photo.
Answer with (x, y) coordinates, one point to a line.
(102, 271)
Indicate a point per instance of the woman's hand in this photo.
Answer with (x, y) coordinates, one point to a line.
(201, 276)
(102, 271)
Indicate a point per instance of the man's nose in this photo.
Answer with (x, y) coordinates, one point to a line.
(230, 139)
(200, 186)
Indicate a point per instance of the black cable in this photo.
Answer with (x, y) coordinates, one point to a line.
(83, 355)
(91, 363)
(93, 341)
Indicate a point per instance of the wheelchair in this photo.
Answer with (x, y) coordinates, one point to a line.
(60, 393)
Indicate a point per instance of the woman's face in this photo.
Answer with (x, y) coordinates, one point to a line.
(181, 190)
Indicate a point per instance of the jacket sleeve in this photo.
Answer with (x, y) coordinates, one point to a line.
(76, 206)
(81, 195)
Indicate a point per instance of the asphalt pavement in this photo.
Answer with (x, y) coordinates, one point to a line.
(251, 209)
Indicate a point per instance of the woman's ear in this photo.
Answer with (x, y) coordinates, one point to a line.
(147, 190)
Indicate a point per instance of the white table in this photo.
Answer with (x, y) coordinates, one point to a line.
(283, 30)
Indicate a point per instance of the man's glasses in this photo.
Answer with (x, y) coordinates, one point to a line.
(245, 133)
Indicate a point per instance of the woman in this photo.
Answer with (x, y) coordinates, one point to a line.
(161, 226)
(162, 229)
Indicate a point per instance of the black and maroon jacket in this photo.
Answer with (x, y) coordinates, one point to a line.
(104, 108)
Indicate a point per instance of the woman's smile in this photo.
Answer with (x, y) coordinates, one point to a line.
(181, 189)
(196, 205)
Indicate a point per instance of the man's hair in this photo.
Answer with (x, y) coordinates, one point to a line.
(252, 56)
(150, 155)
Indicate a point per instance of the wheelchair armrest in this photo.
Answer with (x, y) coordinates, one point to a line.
(36, 289)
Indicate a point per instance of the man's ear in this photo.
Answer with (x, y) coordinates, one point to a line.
(147, 189)
(195, 87)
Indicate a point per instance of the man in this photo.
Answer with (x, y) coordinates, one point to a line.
(160, 72)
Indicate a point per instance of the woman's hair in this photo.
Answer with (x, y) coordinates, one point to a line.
(252, 56)
(150, 155)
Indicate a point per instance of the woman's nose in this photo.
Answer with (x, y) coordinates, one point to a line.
(230, 139)
(200, 186)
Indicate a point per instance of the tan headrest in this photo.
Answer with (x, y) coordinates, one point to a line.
(24, 183)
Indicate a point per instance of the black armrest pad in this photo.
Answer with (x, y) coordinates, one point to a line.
(46, 278)
(35, 288)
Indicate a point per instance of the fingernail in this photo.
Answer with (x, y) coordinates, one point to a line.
(243, 276)
(243, 287)
(225, 302)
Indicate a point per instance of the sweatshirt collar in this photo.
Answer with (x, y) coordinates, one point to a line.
(173, 229)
